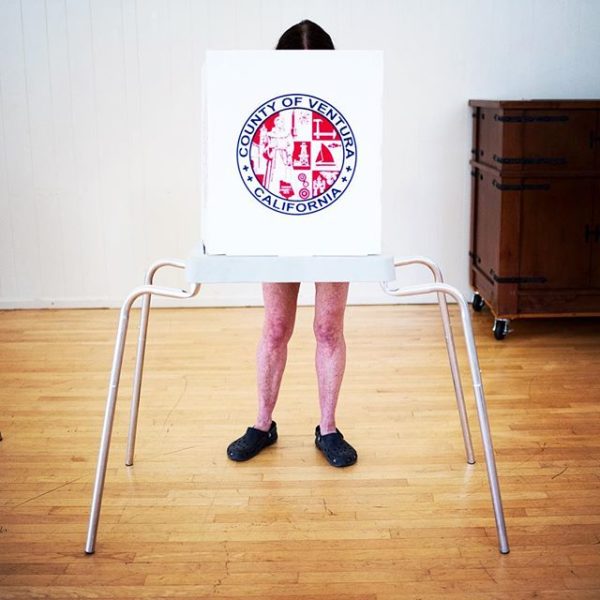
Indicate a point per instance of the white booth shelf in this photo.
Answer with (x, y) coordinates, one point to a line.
(204, 268)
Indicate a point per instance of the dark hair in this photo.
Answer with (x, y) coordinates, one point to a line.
(305, 35)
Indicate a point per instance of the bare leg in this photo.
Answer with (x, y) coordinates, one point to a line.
(330, 305)
(280, 314)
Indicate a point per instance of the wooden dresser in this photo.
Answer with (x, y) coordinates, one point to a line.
(535, 219)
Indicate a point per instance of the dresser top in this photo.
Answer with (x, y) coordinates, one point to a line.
(535, 104)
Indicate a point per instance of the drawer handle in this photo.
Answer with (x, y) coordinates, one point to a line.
(542, 160)
(534, 279)
(520, 187)
(532, 119)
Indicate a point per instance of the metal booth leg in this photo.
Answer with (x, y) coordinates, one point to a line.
(490, 461)
(115, 375)
(450, 347)
(141, 352)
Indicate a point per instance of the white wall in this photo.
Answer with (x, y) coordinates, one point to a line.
(99, 123)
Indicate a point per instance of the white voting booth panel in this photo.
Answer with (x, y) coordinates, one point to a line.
(292, 153)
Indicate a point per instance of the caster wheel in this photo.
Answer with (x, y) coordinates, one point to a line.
(478, 303)
(500, 328)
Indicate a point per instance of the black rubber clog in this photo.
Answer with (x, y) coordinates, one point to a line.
(251, 443)
(337, 451)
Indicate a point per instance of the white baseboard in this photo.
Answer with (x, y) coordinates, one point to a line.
(84, 303)
(216, 296)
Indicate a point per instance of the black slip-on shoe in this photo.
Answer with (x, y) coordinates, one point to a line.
(251, 443)
(337, 451)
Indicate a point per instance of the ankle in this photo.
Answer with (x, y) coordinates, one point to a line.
(327, 428)
(263, 424)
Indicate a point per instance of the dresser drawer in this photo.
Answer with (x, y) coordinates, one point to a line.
(536, 140)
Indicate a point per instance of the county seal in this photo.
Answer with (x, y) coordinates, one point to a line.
(296, 154)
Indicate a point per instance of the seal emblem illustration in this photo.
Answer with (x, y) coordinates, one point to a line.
(296, 154)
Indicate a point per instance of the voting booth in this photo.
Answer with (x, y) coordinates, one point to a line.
(291, 191)
(292, 153)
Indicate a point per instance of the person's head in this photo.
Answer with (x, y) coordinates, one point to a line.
(305, 35)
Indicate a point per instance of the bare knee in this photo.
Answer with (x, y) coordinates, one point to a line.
(330, 304)
(329, 333)
(277, 333)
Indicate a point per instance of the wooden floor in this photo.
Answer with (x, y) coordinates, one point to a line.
(410, 520)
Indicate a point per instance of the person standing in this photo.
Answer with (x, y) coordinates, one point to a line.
(280, 304)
